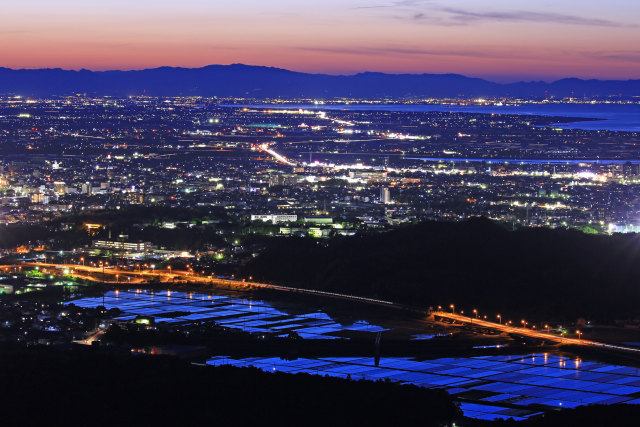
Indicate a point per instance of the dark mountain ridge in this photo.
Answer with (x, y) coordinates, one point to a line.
(238, 80)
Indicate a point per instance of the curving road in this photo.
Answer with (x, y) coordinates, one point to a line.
(531, 333)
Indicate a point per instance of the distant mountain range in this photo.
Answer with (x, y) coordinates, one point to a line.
(238, 80)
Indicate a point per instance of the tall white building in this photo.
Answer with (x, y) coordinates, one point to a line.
(385, 195)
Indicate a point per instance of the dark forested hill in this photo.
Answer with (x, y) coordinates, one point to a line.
(554, 274)
(239, 80)
(84, 387)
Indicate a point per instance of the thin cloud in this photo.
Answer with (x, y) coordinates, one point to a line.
(621, 55)
(466, 17)
(432, 12)
(404, 51)
(395, 4)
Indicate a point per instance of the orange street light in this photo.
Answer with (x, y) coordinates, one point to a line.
(499, 319)
(452, 307)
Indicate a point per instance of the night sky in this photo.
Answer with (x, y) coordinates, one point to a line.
(503, 40)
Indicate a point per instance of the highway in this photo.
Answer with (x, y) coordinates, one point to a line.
(172, 276)
(531, 333)
(127, 277)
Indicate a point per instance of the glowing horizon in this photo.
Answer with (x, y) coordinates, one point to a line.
(499, 40)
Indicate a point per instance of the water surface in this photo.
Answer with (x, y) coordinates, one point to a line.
(612, 117)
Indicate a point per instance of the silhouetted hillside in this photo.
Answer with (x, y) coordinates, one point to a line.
(239, 80)
(549, 274)
(48, 388)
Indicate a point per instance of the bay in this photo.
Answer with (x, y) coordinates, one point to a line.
(610, 117)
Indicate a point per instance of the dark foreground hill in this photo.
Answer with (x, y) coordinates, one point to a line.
(44, 387)
(540, 273)
(239, 80)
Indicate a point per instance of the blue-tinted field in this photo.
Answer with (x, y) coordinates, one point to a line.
(249, 315)
(489, 387)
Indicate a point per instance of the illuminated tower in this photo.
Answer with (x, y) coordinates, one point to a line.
(385, 195)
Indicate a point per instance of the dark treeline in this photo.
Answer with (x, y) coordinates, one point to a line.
(243, 344)
(542, 273)
(84, 387)
(145, 214)
(13, 235)
(138, 223)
